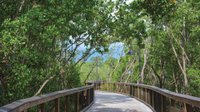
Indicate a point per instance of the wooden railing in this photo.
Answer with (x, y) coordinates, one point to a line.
(160, 100)
(71, 100)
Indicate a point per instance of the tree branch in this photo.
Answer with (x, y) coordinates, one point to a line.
(43, 85)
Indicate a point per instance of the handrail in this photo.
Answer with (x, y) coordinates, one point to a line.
(83, 97)
(161, 100)
(195, 101)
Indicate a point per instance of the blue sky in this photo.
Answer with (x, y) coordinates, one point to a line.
(116, 50)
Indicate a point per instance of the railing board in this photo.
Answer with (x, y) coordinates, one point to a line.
(24, 104)
(195, 101)
(158, 97)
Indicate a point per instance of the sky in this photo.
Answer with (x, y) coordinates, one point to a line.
(116, 50)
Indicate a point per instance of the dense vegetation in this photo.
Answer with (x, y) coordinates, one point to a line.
(39, 43)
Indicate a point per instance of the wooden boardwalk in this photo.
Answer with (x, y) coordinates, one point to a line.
(113, 102)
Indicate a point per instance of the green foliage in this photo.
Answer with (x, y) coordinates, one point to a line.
(35, 44)
(176, 28)
(39, 41)
(159, 10)
(194, 78)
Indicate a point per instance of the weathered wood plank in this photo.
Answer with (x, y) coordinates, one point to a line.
(113, 102)
(27, 103)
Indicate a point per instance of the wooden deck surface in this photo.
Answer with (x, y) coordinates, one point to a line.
(113, 102)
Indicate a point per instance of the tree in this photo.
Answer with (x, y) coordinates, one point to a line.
(39, 44)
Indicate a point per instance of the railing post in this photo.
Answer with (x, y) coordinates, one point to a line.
(77, 102)
(88, 97)
(163, 104)
(135, 91)
(109, 86)
(42, 108)
(82, 100)
(57, 105)
(122, 88)
(139, 93)
(119, 87)
(130, 92)
(143, 94)
(66, 103)
(91, 95)
(148, 96)
(172, 104)
(158, 102)
(152, 99)
(187, 108)
(126, 88)
(114, 87)
(95, 86)
(132, 89)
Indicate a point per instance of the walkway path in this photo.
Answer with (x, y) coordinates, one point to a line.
(113, 102)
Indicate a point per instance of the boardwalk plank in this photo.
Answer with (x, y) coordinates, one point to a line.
(113, 102)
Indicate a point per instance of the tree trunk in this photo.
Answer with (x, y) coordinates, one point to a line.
(113, 71)
(159, 78)
(127, 68)
(182, 65)
(89, 74)
(184, 37)
(175, 81)
(139, 66)
(144, 65)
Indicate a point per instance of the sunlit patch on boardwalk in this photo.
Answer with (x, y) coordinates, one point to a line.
(113, 102)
